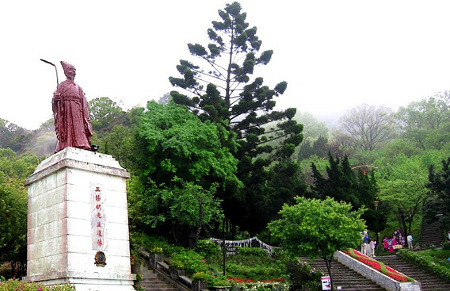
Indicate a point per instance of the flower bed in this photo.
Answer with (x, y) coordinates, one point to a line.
(379, 266)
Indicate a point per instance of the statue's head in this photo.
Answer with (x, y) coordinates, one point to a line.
(69, 70)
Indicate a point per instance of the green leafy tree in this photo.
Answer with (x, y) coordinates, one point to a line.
(318, 228)
(13, 208)
(190, 206)
(13, 136)
(104, 114)
(353, 186)
(175, 152)
(312, 128)
(427, 122)
(439, 184)
(319, 147)
(402, 188)
(226, 93)
(344, 184)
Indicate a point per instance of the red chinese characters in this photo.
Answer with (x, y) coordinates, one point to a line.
(98, 220)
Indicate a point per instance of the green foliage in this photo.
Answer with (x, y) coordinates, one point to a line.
(153, 242)
(181, 167)
(343, 184)
(402, 187)
(317, 228)
(226, 93)
(426, 122)
(431, 260)
(207, 248)
(255, 264)
(203, 276)
(256, 272)
(22, 286)
(13, 136)
(104, 114)
(439, 184)
(302, 274)
(319, 147)
(174, 142)
(13, 207)
(190, 261)
(313, 128)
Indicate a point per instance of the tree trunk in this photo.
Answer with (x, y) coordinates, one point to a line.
(199, 228)
(328, 264)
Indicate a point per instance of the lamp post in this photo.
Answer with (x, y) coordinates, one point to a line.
(376, 203)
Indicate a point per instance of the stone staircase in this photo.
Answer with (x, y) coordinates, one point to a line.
(431, 234)
(154, 281)
(428, 281)
(343, 277)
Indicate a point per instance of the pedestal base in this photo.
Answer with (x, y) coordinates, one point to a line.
(78, 222)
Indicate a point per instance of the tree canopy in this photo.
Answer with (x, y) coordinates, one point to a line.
(178, 155)
(438, 207)
(317, 228)
(13, 207)
(226, 92)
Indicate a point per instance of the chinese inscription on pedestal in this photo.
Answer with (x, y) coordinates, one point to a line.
(98, 220)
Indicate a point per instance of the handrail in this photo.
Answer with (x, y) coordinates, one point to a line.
(161, 267)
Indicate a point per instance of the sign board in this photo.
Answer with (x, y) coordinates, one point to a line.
(326, 283)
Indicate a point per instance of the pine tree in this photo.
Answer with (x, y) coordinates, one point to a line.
(225, 92)
(343, 184)
(440, 186)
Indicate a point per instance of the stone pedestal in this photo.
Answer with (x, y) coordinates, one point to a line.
(78, 222)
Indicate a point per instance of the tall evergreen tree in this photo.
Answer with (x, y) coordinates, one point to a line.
(343, 184)
(226, 93)
(440, 186)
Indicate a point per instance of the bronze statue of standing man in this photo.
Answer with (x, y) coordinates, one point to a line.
(70, 112)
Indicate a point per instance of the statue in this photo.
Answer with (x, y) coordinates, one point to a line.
(70, 112)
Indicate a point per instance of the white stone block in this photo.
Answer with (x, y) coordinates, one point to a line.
(117, 230)
(60, 233)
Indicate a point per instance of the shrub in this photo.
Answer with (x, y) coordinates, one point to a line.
(14, 284)
(427, 262)
(153, 244)
(207, 248)
(190, 260)
(304, 276)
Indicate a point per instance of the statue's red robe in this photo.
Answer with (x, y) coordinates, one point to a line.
(72, 124)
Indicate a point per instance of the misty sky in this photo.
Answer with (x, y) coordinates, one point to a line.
(334, 55)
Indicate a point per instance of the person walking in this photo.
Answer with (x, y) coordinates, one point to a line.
(372, 247)
(366, 240)
(410, 239)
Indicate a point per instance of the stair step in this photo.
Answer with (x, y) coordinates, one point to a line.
(344, 277)
(153, 281)
(428, 281)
